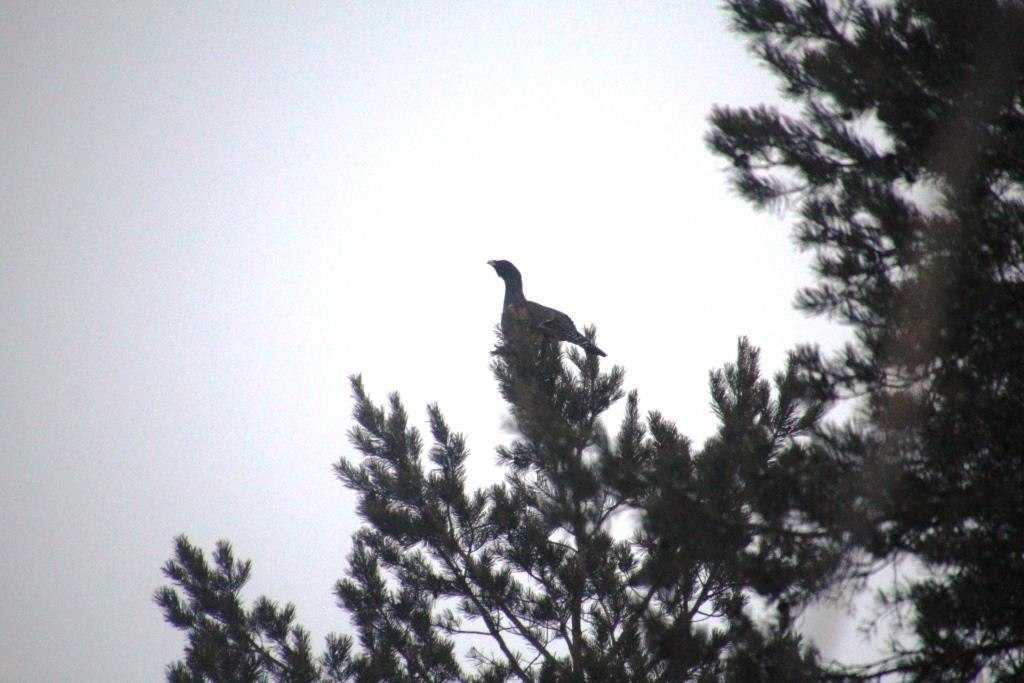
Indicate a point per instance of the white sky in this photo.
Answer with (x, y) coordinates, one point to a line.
(210, 216)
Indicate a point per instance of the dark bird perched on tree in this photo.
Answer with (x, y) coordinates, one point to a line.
(517, 311)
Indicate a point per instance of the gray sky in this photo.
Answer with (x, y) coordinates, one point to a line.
(211, 216)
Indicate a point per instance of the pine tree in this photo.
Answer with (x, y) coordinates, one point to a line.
(525, 580)
(227, 642)
(906, 167)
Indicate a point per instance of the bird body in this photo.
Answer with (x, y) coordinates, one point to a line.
(519, 313)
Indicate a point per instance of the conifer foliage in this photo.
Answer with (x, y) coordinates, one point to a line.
(906, 166)
(631, 558)
(227, 642)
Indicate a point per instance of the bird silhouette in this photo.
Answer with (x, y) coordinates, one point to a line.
(517, 312)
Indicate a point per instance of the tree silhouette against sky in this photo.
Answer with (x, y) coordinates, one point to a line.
(904, 160)
(906, 167)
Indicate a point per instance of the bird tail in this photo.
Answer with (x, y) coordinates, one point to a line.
(586, 341)
(591, 348)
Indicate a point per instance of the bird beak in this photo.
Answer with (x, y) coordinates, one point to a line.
(490, 263)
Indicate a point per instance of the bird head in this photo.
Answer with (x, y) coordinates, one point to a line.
(505, 270)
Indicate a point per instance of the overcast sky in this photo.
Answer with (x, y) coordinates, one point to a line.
(211, 216)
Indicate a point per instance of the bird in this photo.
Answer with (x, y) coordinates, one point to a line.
(517, 310)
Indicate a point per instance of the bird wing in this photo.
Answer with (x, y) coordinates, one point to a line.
(554, 322)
